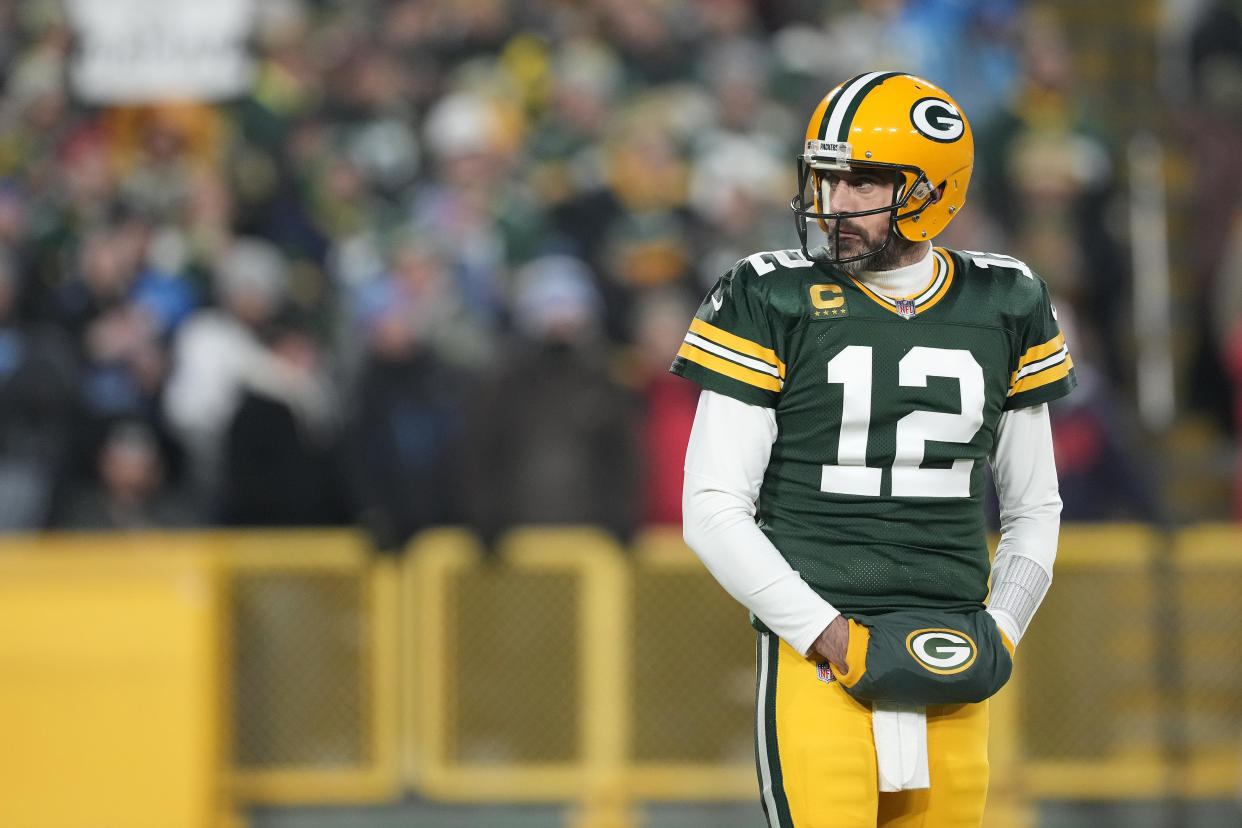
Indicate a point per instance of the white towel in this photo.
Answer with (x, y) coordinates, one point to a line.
(900, 732)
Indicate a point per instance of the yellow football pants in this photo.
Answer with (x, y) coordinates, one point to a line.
(816, 754)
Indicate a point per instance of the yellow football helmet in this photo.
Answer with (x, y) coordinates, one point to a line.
(894, 121)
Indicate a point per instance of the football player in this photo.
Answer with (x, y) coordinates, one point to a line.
(851, 393)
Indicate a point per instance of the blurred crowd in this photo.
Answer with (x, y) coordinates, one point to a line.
(433, 267)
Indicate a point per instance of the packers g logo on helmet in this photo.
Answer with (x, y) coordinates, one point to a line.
(942, 651)
(937, 119)
(887, 121)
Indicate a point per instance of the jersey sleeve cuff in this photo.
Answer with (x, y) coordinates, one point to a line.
(748, 388)
(1042, 394)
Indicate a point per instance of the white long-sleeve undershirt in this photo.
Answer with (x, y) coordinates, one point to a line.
(730, 444)
(1025, 474)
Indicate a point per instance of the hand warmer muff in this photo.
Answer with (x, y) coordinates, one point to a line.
(926, 657)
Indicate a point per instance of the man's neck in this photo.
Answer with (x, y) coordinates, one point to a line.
(914, 253)
(904, 280)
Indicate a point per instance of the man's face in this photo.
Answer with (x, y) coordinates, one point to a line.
(854, 192)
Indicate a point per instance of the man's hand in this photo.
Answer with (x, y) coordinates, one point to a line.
(833, 643)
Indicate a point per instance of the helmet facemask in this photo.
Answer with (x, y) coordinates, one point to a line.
(911, 194)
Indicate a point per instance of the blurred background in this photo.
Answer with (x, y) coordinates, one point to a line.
(339, 465)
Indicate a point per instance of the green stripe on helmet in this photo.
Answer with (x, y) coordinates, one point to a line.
(850, 99)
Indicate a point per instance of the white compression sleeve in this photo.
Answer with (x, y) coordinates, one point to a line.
(725, 461)
(1030, 515)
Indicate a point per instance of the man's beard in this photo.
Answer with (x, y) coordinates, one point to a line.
(890, 254)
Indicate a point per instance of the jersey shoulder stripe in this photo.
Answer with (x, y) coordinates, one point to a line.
(733, 345)
(1040, 365)
(738, 344)
(1037, 353)
(733, 370)
(733, 356)
(1043, 369)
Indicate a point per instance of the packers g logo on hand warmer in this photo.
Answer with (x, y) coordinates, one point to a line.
(942, 651)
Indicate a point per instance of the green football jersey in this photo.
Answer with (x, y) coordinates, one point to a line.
(886, 412)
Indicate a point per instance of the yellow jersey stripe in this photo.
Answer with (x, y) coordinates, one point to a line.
(733, 356)
(942, 269)
(1038, 352)
(939, 272)
(730, 369)
(1048, 375)
(736, 343)
(882, 301)
(1042, 365)
(948, 278)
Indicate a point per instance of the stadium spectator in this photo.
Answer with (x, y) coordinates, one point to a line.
(282, 462)
(1233, 363)
(38, 375)
(1046, 174)
(471, 204)
(552, 434)
(122, 312)
(131, 489)
(1226, 329)
(1209, 121)
(404, 427)
(221, 352)
(1101, 477)
(667, 404)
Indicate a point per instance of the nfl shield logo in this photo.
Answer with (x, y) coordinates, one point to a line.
(825, 671)
(905, 308)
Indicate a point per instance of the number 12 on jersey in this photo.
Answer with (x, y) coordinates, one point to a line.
(853, 369)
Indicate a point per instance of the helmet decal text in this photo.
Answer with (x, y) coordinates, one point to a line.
(937, 119)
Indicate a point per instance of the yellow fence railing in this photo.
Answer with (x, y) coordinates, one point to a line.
(291, 667)
(518, 667)
(1087, 696)
(109, 687)
(312, 623)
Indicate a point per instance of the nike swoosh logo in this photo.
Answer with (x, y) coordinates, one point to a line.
(717, 302)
